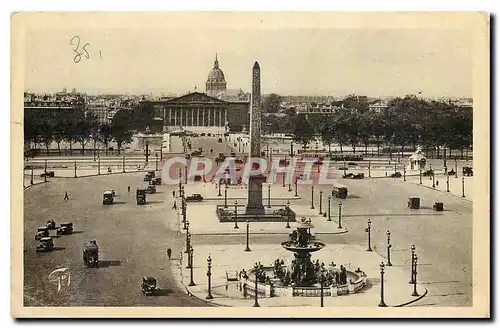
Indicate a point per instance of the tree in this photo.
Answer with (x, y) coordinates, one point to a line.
(46, 134)
(142, 115)
(327, 132)
(105, 135)
(120, 128)
(60, 131)
(302, 130)
(271, 103)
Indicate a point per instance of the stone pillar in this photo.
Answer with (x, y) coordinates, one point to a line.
(214, 123)
(203, 116)
(175, 117)
(225, 116)
(254, 200)
(192, 116)
(220, 117)
(170, 116)
(198, 116)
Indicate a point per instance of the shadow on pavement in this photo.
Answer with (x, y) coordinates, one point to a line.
(155, 202)
(78, 232)
(162, 292)
(107, 264)
(119, 202)
(57, 248)
(353, 196)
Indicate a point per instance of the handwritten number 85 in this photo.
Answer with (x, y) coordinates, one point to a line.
(75, 42)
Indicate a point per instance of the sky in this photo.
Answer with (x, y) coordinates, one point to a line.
(336, 62)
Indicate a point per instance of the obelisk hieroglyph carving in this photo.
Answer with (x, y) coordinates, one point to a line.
(254, 201)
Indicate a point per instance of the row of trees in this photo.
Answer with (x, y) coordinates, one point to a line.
(406, 122)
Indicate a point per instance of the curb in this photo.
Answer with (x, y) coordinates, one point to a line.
(264, 199)
(35, 184)
(262, 233)
(414, 300)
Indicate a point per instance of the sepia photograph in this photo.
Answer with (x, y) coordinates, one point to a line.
(206, 164)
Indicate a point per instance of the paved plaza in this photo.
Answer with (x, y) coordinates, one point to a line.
(133, 240)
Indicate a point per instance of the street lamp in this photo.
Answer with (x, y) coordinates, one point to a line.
(156, 158)
(447, 183)
(456, 168)
(247, 249)
(320, 201)
(31, 180)
(322, 285)
(191, 282)
(340, 216)
(415, 260)
(45, 175)
(225, 196)
(382, 303)
(269, 196)
(123, 163)
(329, 208)
(463, 186)
(288, 214)
(180, 180)
(236, 215)
(296, 180)
(412, 262)
(256, 268)
(369, 170)
(219, 189)
(368, 230)
(209, 275)
(188, 237)
(389, 248)
(433, 180)
(99, 166)
(420, 176)
(312, 197)
(75, 171)
(404, 173)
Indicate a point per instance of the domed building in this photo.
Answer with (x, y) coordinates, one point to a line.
(216, 83)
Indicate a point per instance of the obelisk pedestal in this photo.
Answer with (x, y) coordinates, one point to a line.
(254, 201)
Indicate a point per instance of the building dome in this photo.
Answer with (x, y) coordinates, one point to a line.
(216, 83)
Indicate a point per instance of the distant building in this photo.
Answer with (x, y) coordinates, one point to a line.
(379, 106)
(216, 82)
(56, 106)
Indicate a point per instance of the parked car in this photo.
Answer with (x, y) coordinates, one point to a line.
(467, 171)
(46, 245)
(91, 253)
(396, 175)
(41, 233)
(48, 174)
(147, 177)
(65, 229)
(428, 173)
(152, 173)
(194, 198)
(219, 140)
(108, 198)
(148, 285)
(155, 182)
(150, 189)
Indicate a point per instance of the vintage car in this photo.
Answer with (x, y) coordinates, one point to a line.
(148, 285)
(339, 191)
(46, 245)
(467, 171)
(42, 232)
(48, 174)
(152, 173)
(187, 156)
(91, 253)
(112, 191)
(51, 224)
(108, 198)
(155, 181)
(65, 229)
(140, 196)
(194, 198)
(396, 175)
(451, 172)
(147, 177)
(219, 140)
(354, 176)
(150, 189)
(428, 173)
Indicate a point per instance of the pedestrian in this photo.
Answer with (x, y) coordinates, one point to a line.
(173, 193)
(437, 182)
(169, 253)
(128, 189)
(175, 205)
(66, 197)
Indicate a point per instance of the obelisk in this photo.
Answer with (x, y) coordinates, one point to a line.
(254, 201)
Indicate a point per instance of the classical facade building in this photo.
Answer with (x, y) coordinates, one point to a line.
(199, 110)
(216, 82)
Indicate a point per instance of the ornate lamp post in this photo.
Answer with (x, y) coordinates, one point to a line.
(75, 172)
(456, 168)
(340, 216)
(382, 302)
(146, 151)
(257, 269)
(209, 275)
(389, 248)
(296, 180)
(369, 170)
(236, 215)
(329, 208)
(415, 259)
(412, 262)
(322, 285)
(433, 180)
(184, 213)
(284, 174)
(225, 196)
(269, 196)
(185, 175)
(312, 197)
(31, 180)
(123, 164)
(180, 180)
(45, 171)
(287, 216)
(463, 186)
(156, 158)
(447, 183)
(98, 166)
(395, 167)
(404, 173)
(188, 237)
(247, 249)
(191, 282)
(368, 230)
(320, 201)
(219, 189)
(420, 176)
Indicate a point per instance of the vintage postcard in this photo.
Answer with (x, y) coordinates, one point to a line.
(220, 164)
